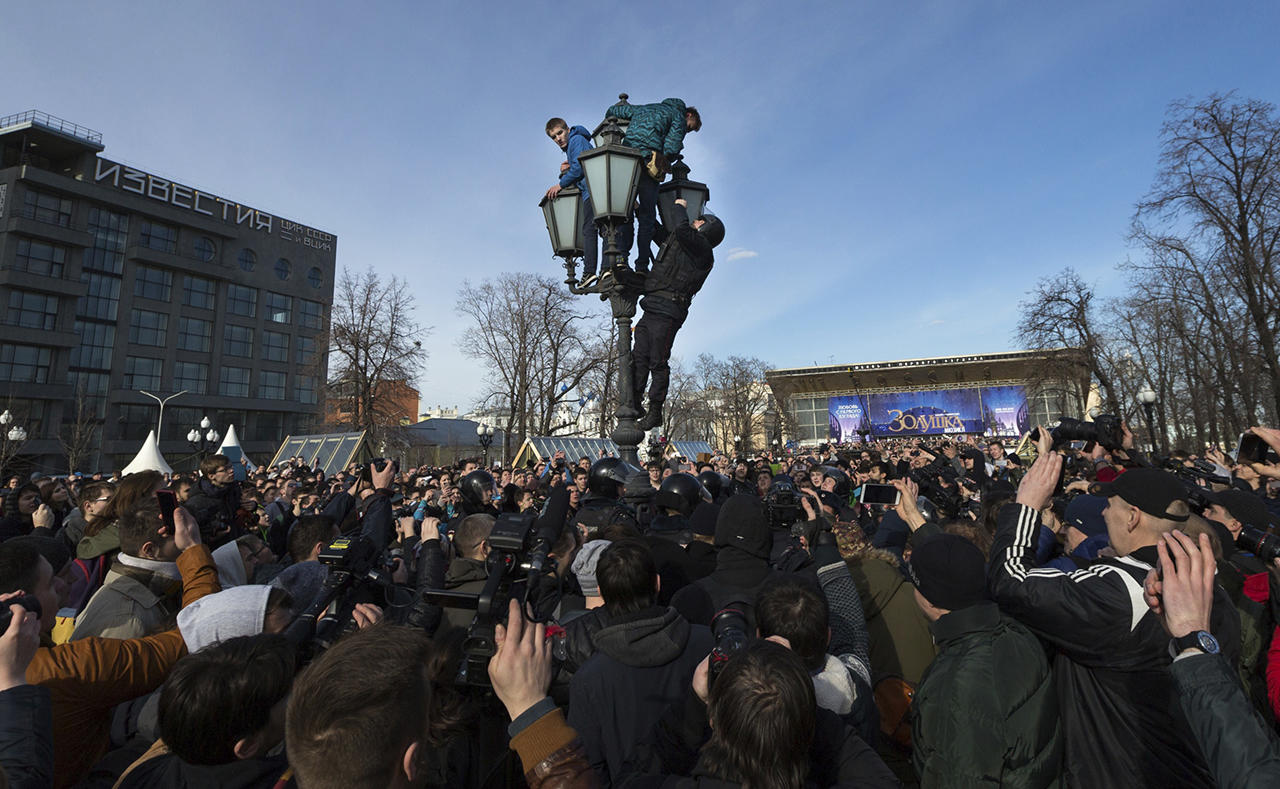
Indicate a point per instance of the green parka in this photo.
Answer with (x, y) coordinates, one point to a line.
(986, 713)
(653, 127)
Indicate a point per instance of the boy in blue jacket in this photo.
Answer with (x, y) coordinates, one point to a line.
(574, 141)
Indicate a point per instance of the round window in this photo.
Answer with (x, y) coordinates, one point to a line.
(283, 268)
(247, 259)
(204, 249)
(315, 277)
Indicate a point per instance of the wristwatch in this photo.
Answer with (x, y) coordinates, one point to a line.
(1202, 640)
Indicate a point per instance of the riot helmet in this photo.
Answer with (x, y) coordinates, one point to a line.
(477, 489)
(681, 492)
(712, 230)
(608, 476)
(713, 482)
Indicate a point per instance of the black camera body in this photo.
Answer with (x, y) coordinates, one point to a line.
(27, 601)
(1105, 429)
(782, 502)
(729, 627)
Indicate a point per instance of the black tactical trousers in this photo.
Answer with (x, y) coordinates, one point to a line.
(651, 356)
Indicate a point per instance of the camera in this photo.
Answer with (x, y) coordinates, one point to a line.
(1105, 429)
(729, 627)
(1260, 543)
(782, 502)
(27, 601)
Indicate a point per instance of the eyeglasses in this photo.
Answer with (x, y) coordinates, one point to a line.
(104, 498)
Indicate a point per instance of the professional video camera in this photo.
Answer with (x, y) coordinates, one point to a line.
(1105, 429)
(782, 502)
(518, 566)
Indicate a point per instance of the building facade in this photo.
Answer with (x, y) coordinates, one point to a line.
(993, 394)
(115, 282)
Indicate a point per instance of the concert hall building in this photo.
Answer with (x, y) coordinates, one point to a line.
(115, 281)
(993, 394)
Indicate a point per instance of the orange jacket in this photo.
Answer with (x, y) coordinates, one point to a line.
(87, 678)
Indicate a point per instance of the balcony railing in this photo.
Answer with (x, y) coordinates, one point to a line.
(52, 122)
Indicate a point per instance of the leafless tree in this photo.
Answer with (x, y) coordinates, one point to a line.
(737, 394)
(374, 345)
(81, 430)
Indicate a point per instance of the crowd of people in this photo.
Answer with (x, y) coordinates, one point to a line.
(1060, 615)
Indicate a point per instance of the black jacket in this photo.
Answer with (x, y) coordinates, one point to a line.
(464, 575)
(739, 576)
(643, 663)
(682, 265)
(170, 772)
(1120, 715)
(214, 508)
(1240, 749)
(26, 736)
(986, 709)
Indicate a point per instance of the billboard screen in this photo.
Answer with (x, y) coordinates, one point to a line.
(990, 410)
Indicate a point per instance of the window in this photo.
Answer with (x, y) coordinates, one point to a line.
(142, 373)
(275, 346)
(267, 424)
(37, 257)
(233, 381)
(153, 283)
(306, 350)
(92, 384)
(316, 277)
(30, 414)
(109, 231)
(192, 376)
(194, 334)
(198, 292)
(271, 385)
(135, 421)
(306, 389)
(179, 420)
(102, 299)
(148, 328)
(32, 310)
(242, 300)
(311, 315)
(26, 364)
(283, 268)
(247, 259)
(279, 308)
(204, 249)
(237, 340)
(96, 343)
(154, 235)
(812, 418)
(45, 207)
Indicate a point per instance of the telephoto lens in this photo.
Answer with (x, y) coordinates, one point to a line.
(1264, 545)
(729, 626)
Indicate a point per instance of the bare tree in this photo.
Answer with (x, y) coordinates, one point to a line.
(81, 430)
(374, 345)
(736, 391)
(538, 347)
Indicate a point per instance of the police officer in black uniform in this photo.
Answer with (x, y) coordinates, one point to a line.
(682, 265)
(603, 503)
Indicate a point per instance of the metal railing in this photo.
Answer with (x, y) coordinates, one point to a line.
(54, 123)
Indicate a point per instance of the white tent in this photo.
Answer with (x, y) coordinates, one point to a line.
(231, 448)
(148, 458)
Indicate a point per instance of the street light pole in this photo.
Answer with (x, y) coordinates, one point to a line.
(202, 441)
(1147, 397)
(485, 435)
(160, 419)
(12, 437)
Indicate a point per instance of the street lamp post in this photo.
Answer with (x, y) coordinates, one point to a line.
(160, 419)
(1147, 397)
(485, 434)
(12, 437)
(737, 446)
(203, 442)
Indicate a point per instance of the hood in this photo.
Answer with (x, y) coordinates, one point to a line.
(463, 570)
(653, 637)
(743, 524)
(222, 615)
(230, 565)
(834, 687)
(581, 131)
(103, 542)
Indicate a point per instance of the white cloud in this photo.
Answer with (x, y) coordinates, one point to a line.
(738, 253)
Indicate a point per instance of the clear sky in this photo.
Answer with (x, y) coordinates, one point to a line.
(893, 176)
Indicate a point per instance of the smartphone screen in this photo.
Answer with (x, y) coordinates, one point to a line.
(879, 494)
(168, 503)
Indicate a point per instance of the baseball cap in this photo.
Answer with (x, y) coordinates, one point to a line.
(1243, 506)
(1149, 489)
(1085, 513)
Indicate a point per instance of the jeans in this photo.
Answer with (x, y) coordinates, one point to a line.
(590, 240)
(646, 219)
(651, 340)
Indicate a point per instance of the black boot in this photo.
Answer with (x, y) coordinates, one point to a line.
(653, 418)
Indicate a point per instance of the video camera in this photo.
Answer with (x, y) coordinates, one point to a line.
(357, 573)
(1105, 429)
(519, 549)
(782, 502)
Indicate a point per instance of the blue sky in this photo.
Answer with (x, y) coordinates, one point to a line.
(893, 176)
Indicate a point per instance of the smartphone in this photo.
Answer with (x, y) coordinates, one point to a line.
(168, 503)
(1253, 449)
(873, 493)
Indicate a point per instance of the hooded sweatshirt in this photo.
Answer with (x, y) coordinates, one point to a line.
(227, 614)
(230, 565)
(579, 143)
(644, 662)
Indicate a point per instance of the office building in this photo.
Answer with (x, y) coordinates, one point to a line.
(115, 281)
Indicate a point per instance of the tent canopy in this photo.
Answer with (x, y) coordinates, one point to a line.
(542, 448)
(688, 449)
(235, 453)
(332, 451)
(148, 458)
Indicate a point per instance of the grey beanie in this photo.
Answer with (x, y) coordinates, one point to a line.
(584, 566)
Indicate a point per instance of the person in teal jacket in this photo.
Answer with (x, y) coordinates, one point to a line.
(653, 128)
(574, 142)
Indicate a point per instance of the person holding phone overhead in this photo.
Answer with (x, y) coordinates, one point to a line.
(142, 592)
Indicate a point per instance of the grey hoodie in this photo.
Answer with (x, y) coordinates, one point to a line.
(238, 611)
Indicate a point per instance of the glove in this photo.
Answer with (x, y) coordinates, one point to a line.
(825, 551)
